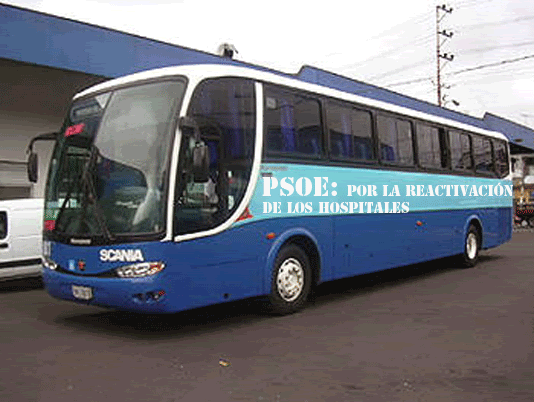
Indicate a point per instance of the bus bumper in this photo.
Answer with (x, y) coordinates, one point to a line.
(147, 295)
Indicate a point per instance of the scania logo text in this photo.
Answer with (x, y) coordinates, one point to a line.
(109, 255)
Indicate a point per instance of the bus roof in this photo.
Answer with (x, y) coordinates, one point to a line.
(197, 72)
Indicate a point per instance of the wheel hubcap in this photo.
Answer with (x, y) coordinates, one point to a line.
(471, 246)
(290, 279)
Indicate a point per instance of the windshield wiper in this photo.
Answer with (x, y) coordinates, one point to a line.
(73, 184)
(89, 191)
(88, 187)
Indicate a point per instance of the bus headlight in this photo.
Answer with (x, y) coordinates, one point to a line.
(140, 270)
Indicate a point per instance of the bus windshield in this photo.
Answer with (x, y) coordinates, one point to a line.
(108, 174)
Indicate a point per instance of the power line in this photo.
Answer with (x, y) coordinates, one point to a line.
(412, 21)
(499, 63)
(404, 67)
(465, 70)
(425, 62)
(486, 49)
(498, 23)
(471, 3)
(495, 78)
(419, 41)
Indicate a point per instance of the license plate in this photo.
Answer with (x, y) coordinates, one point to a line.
(82, 292)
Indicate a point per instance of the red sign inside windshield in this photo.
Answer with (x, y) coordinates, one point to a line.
(49, 225)
(73, 130)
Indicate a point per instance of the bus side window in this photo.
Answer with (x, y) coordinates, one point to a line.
(460, 151)
(429, 147)
(501, 158)
(293, 124)
(483, 154)
(350, 132)
(396, 144)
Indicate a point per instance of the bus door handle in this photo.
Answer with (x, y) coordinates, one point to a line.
(4, 245)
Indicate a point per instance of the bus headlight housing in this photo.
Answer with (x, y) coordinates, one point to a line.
(140, 270)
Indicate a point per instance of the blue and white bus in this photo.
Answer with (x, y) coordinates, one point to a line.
(193, 185)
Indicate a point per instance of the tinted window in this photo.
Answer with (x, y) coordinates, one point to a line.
(3, 225)
(460, 151)
(429, 147)
(225, 107)
(350, 133)
(225, 112)
(483, 154)
(501, 158)
(395, 140)
(15, 192)
(293, 124)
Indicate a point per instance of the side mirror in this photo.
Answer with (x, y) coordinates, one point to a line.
(32, 164)
(201, 163)
(32, 167)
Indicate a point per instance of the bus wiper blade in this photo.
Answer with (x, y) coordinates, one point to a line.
(88, 187)
(92, 156)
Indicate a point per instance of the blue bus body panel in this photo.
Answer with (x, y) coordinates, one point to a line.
(197, 272)
(228, 266)
(368, 243)
(237, 263)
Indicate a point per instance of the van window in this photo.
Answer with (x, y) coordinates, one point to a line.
(13, 192)
(3, 225)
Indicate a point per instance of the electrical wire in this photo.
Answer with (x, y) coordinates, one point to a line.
(471, 3)
(487, 49)
(420, 41)
(464, 52)
(465, 70)
(493, 23)
(399, 69)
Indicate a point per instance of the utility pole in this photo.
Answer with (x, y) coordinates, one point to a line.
(441, 36)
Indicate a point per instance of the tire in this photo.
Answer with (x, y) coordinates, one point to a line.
(472, 245)
(291, 280)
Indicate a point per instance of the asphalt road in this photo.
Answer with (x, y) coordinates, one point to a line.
(428, 332)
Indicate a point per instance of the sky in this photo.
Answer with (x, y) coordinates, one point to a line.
(391, 44)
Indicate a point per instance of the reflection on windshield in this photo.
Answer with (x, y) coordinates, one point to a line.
(121, 191)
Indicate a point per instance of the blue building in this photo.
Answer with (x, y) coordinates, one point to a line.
(45, 60)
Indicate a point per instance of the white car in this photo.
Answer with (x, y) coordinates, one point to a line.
(21, 225)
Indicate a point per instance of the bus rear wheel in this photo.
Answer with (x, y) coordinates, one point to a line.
(471, 247)
(291, 280)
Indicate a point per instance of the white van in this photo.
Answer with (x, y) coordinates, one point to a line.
(21, 225)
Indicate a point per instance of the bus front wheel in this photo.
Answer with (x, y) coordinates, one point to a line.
(471, 247)
(291, 280)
